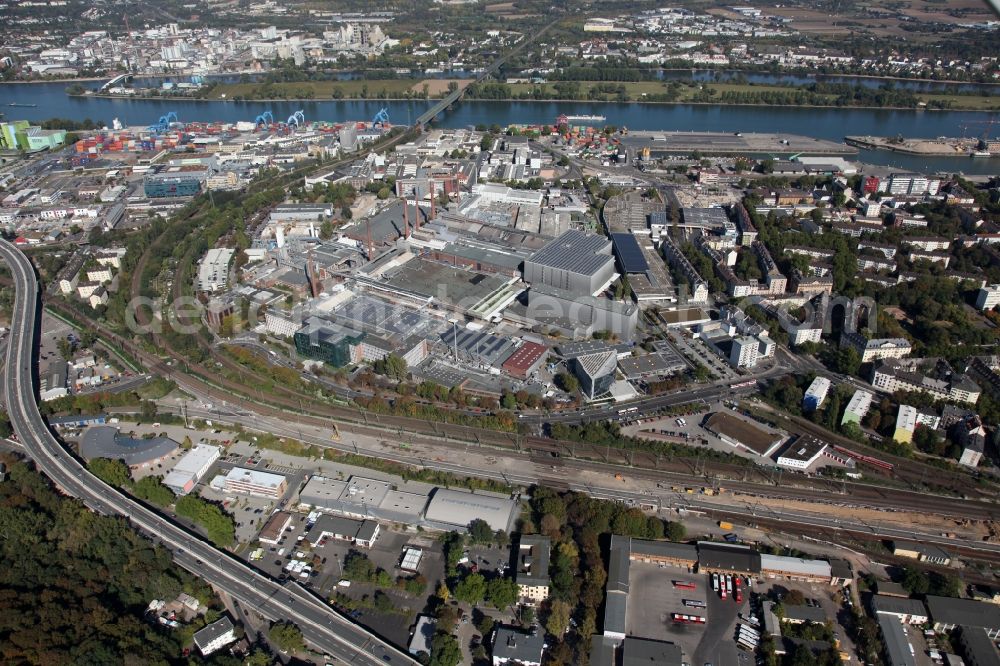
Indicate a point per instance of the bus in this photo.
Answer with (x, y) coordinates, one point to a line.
(694, 603)
(681, 618)
(683, 585)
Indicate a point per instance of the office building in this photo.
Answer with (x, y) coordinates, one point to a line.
(173, 184)
(802, 453)
(596, 373)
(253, 482)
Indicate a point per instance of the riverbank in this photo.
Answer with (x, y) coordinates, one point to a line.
(547, 100)
(737, 94)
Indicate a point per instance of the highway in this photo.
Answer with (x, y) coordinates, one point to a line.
(323, 629)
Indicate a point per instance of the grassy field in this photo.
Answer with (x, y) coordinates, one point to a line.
(322, 89)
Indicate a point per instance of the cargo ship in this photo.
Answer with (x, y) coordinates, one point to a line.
(586, 119)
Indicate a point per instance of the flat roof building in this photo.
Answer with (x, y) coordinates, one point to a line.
(645, 652)
(899, 651)
(213, 271)
(253, 482)
(191, 468)
(802, 453)
(858, 407)
(576, 261)
(512, 646)
(815, 394)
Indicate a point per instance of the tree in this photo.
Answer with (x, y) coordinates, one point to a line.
(326, 230)
(286, 637)
(358, 567)
(112, 472)
(567, 382)
(480, 532)
(445, 650)
(471, 589)
(384, 193)
(392, 366)
(675, 531)
(6, 430)
(558, 618)
(501, 592)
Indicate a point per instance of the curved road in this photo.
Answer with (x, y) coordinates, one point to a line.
(322, 628)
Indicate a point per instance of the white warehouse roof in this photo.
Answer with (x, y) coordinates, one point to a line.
(795, 566)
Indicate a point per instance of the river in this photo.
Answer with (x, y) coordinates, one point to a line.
(825, 123)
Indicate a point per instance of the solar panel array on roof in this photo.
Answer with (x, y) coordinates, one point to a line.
(629, 253)
(478, 344)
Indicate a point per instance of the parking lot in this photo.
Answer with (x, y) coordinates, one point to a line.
(653, 599)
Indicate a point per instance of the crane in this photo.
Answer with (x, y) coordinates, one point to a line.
(298, 119)
(265, 119)
(381, 118)
(986, 132)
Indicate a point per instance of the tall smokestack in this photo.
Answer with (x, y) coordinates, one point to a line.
(432, 200)
(370, 250)
(406, 219)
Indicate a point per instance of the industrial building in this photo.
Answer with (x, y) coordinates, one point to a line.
(525, 360)
(191, 468)
(576, 315)
(274, 528)
(904, 609)
(577, 262)
(923, 552)
(253, 482)
(741, 432)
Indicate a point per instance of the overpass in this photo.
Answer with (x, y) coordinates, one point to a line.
(321, 627)
(445, 103)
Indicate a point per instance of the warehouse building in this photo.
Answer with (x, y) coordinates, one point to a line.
(725, 558)
(923, 552)
(451, 509)
(795, 568)
(576, 261)
(359, 532)
(525, 360)
(191, 468)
